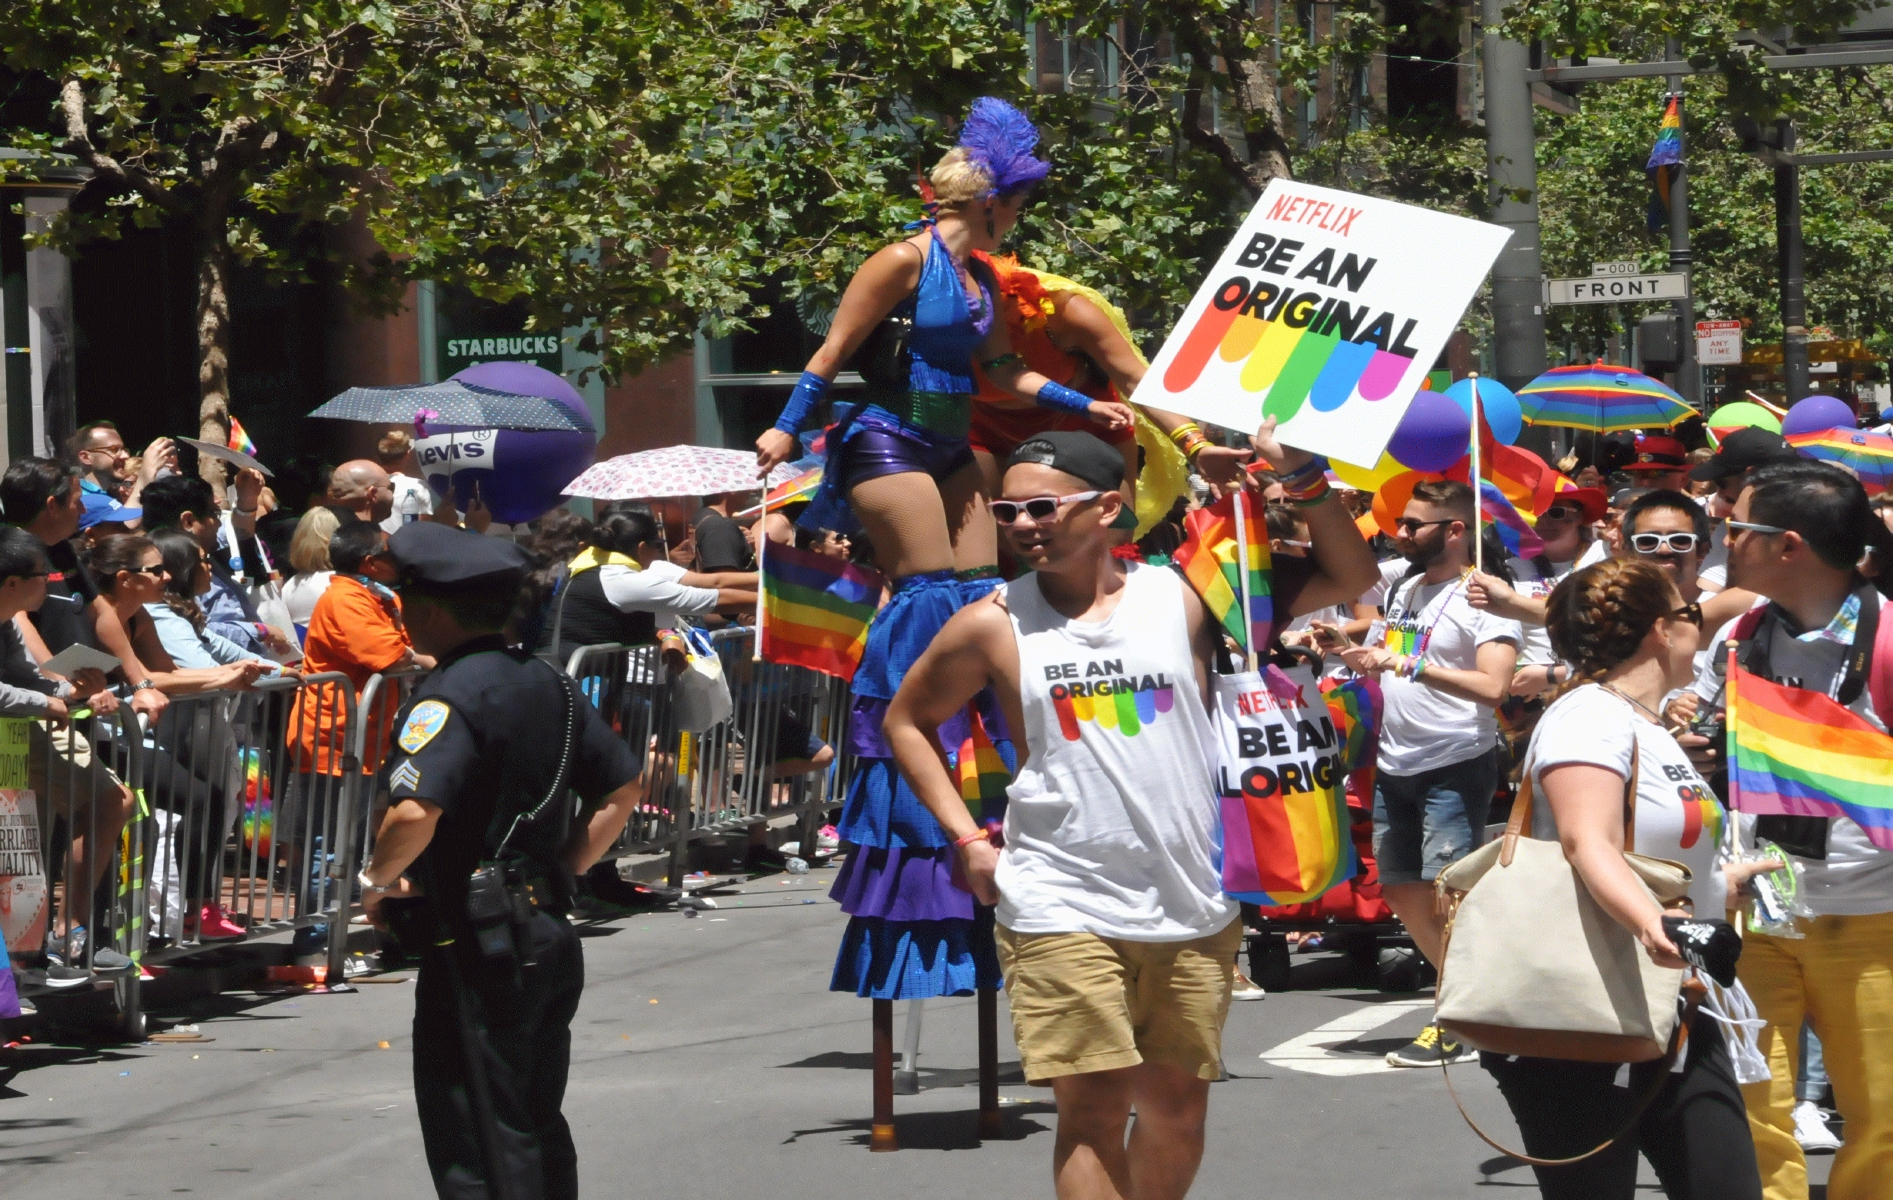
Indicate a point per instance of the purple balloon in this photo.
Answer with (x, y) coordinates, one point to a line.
(520, 473)
(1434, 434)
(1815, 414)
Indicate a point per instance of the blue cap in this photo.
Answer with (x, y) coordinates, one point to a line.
(101, 508)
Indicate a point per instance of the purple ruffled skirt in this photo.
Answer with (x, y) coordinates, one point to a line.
(911, 934)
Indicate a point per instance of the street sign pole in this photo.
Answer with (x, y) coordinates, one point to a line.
(1792, 267)
(1688, 374)
(1518, 305)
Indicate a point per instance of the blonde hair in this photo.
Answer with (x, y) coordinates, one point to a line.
(959, 181)
(309, 545)
(394, 446)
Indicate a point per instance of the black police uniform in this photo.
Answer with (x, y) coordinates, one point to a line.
(483, 738)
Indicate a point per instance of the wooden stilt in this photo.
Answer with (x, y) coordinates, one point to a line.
(881, 1137)
(988, 1063)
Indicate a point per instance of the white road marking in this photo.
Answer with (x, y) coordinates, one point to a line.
(1312, 1052)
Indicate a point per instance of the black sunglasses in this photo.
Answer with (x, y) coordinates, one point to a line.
(1413, 526)
(1691, 612)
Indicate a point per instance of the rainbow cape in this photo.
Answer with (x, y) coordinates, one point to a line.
(1208, 560)
(816, 610)
(1798, 753)
(240, 439)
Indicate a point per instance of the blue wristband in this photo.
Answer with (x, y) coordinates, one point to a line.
(1057, 395)
(808, 391)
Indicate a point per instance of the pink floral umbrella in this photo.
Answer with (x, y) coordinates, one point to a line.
(674, 471)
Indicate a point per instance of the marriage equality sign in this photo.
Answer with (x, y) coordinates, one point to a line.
(1326, 311)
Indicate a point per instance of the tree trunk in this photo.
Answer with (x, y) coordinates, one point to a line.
(213, 343)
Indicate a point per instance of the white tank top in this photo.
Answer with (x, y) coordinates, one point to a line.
(1113, 826)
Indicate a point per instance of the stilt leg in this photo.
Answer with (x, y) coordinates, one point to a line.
(988, 1063)
(881, 1136)
(907, 1076)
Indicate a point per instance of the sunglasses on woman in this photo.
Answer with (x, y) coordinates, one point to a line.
(1039, 508)
(1691, 612)
(1664, 543)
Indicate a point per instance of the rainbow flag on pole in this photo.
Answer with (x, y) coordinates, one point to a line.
(1513, 527)
(816, 610)
(980, 770)
(1666, 155)
(1208, 560)
(240, 439)
(1798, 753)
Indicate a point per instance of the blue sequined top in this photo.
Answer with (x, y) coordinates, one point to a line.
(949, 325)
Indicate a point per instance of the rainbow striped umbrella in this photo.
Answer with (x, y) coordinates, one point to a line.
(1868, 455)
(1601, 398)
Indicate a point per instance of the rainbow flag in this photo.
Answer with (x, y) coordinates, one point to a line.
(1208, 560)
(240, 439)
(1513, 527)
(816, 610)
(1798, 753)
(1355, 707)
(802, 487)
(982, 773)
(1665, 157)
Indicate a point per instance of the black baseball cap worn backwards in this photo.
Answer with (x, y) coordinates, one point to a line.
(1080, 455)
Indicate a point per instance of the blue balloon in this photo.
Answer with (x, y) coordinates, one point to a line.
(1496, 403)
(1815, 414)
(520, 473)
(1434, 434)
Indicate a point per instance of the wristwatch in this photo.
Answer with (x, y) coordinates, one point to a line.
(369, 885)
(142, 684)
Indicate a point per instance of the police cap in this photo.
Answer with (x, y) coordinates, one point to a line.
(439, 558)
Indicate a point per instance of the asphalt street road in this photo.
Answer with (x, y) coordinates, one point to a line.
(710, 1059)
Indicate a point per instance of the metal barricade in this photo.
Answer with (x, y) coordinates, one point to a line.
(758, 765)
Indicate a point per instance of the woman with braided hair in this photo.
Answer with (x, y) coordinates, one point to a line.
(1631, 639)
(915, 318)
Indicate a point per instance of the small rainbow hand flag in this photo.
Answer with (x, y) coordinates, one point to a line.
(1797, 753)
(240, 439)
(981, 772)
(1355, 707)
(1208, 560)
(1514, 528)
(816, 610)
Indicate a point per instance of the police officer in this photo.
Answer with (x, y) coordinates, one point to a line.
(484, 828)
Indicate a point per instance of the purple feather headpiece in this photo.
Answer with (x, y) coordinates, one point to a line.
(1000, 138)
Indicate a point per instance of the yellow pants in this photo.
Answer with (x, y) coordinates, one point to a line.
(1840, 976)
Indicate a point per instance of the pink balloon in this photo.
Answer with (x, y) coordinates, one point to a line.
(1434, 434)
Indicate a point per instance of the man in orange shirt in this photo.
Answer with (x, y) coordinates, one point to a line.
(356, 630)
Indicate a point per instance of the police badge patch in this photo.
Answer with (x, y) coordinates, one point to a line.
(426, 720)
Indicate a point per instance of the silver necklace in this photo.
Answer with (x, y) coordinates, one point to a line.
(1615, 691)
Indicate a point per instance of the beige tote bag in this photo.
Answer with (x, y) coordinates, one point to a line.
(1535, 966)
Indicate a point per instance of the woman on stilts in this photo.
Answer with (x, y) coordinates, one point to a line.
(921, 312)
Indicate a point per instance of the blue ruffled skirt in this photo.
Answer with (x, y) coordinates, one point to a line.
(911, 934)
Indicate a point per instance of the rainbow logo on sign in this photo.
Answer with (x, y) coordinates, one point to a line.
(1125, 705)
(1300, 346)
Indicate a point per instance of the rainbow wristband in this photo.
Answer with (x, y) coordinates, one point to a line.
(1057, 395)
(808, 392)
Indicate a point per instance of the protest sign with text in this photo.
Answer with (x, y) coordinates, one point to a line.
(1325, 311)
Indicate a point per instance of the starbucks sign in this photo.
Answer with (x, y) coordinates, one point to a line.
(460, 351)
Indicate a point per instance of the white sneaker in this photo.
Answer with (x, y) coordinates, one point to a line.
(1811, 1131)
(1247, 988)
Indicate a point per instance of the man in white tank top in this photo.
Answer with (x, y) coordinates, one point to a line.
(1117, 942)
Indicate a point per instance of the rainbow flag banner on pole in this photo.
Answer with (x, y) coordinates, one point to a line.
(981, 771)
(816, 610)
(1208, 559)
(1798, 753)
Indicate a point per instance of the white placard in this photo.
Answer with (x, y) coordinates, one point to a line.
(1619, 267)
(1325, 311)
(1719, 343)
